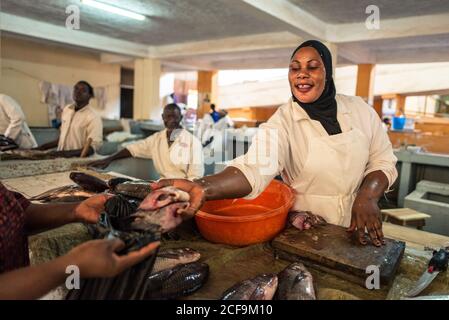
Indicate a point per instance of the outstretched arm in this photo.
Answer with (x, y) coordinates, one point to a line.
(103, 163)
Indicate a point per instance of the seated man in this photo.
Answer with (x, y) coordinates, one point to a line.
(79, 123)
(13, 125)
(176, 153)
(95, 259)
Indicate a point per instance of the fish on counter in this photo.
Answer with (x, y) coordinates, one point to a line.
(136, 189)
(70, 193)
(170, 258)
(303, 220)
(295, 283)
(262, 287)
(176, 282)
(89, 182)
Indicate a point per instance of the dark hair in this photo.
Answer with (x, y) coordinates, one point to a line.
(173, 106)
(89, 87)
(212, 106)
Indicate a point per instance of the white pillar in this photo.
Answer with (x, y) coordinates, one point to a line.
(147, 104)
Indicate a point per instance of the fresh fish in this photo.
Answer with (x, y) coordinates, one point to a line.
(304, 220)
(71, 193)
(162, 197)
(88, 182)
(112, 183)
(295, 283)
(170, 258)
(135, 189)
(176, 282)
(262, 287)
(166, 218)
(27, 155)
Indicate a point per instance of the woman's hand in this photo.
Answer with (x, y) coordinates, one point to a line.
(89, 210)
(366, 214)
(98, 258)
(195, 190)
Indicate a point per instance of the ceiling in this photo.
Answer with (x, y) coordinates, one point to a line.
(348, 11)
(230, 34)
(169, 21)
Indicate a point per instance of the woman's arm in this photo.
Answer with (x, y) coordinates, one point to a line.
(365, 210)
(94, 259)
(42, 217)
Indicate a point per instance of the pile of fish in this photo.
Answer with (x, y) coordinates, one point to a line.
(7, 143)
(166, 275)
(295, 282)
(88, 185)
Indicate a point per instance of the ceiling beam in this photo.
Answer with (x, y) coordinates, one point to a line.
(234, 44)
(46, 31)
(390, 28)
(304, 24)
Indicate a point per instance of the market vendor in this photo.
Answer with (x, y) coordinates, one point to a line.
(330, 148)
(13, 124)
(95, 259)
(79, 123)
(176, 153)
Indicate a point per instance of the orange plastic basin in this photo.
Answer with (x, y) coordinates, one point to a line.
(242, 222)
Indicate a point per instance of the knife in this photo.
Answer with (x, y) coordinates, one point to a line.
(438, 263)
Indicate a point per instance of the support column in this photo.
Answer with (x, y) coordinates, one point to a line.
(400, 104)
(365, 82)
(147, 104)
(207, 91)
(378, 102)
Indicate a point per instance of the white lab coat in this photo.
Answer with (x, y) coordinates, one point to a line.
(183, 159)
(324, 171)
(13, 124)
(78, 126)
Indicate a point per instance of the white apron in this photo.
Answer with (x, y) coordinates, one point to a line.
(332, 174)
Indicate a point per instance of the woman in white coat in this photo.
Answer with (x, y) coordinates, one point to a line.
(331, 149)
(13, 124)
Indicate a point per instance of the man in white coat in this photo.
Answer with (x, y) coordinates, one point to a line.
(13, 124)
(175, 152)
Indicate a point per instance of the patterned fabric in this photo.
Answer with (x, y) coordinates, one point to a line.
(13, 239)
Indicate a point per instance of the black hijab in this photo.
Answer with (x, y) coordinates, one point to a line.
(324, 109)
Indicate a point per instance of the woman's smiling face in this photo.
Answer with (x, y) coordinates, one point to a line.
(307, 75)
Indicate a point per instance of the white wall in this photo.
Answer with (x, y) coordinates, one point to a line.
(24, 63)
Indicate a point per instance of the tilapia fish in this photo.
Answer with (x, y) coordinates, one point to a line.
(262, 287)
(135, 189)
(304, 220)
(295, 283)
(162, 197)
(170, 258)
(71, 193)
(176, 282)
(165, 219)
(88, 182)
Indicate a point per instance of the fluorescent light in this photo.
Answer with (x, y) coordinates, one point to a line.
(112, 9)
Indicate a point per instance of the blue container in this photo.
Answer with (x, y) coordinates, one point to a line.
(399, 123)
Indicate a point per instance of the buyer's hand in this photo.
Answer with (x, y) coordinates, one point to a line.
(89, 210)
(98, 258)
(366, 214)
